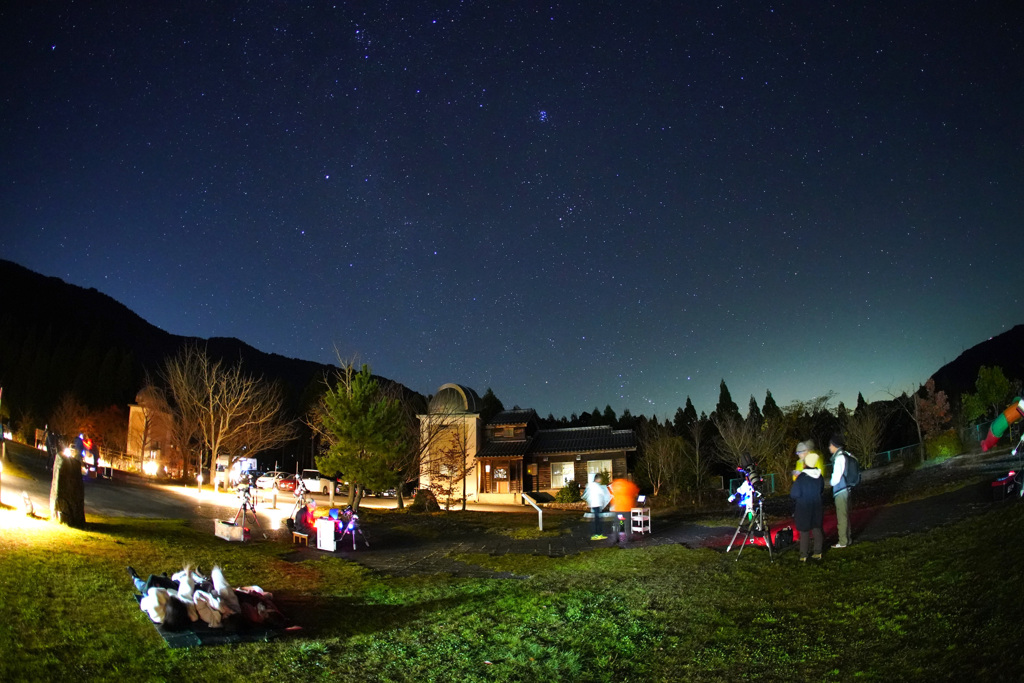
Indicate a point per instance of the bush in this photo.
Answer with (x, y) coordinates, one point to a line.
(943, 446)
(570, 493)
(424, 501)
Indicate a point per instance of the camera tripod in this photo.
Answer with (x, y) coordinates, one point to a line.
(752, 524)
(248, 505)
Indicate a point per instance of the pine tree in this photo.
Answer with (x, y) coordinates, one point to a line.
(771, 410)
(726, 409)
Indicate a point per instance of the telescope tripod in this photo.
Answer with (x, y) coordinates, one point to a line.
(248, 506)
(752, 524)
(352, 527)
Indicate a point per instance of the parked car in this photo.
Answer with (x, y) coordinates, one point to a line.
(287, 483)
(318, 483)
(270, 479)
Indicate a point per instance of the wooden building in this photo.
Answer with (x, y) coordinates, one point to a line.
(510, 455)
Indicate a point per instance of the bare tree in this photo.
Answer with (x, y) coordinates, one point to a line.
(764, 441)
(734, 438)
(69, 418)
(231, 410)
(155, 417)
(768, 449)
(697, 456)
(448, 465)
(662, 457)
(864, 433)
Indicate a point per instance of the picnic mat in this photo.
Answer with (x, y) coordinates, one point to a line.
(231, 632)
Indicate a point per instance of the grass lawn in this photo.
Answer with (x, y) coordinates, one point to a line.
(941, 605)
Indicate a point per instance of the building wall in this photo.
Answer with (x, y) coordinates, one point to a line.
(463, 428)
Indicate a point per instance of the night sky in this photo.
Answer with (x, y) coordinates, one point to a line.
(574, 204)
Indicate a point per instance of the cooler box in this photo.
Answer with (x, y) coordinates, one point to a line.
(229, 531)
(325, 534)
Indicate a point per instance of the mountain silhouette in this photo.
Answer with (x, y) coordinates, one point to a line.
(58, 337)
(1005, 350)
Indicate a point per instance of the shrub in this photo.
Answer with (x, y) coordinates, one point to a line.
(943, 446)
(570, 493)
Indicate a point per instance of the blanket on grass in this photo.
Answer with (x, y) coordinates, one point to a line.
(234, 630)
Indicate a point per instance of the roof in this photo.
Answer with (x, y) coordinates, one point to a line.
(516, 416)
(505, 449)
(552, 441)
(583, 439)
(455, 398)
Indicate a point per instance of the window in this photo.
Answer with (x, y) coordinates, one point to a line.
(561, 474)
(597, 467)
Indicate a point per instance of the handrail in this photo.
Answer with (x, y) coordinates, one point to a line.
(540, 513)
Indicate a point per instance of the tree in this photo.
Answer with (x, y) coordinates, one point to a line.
(735, 437)
(366, 433)
(608, 417)
(662, 458)
(232, 412)
(490, 405)
(697, 461)
(992, 392)
(754, 415)
(69, 417)
(932, 411)
(771, 410)
(726, 409)
(110, 428)
(448, 465)
(864, 432)
(155, 412)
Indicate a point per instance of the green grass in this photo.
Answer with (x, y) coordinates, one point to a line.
(941, 605)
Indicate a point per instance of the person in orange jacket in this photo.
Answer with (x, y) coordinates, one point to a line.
(624, 493)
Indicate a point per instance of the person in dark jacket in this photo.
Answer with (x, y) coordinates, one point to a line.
(809, 515)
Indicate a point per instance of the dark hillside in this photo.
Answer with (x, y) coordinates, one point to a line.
(1005, 350)
(57, 337)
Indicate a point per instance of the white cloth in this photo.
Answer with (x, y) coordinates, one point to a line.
(838, 468)
(208, 607)
(154, 603)
(228, 599)
(597, 495)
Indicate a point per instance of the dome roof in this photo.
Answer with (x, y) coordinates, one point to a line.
(455, 398)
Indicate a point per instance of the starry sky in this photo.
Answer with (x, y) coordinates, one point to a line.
(576, 204)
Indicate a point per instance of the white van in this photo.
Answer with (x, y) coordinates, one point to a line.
(318, 483)
(229, 475)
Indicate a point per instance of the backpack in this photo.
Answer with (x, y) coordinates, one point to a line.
(784, 538)
(852, 473)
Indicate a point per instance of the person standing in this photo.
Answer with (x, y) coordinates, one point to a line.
(624, 493)
(597, 496)
(840, 489)
(802, 449)
(808, 515)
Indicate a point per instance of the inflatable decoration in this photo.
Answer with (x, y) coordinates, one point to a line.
(999, 426)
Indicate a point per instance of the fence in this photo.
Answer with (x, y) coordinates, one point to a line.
(895, 455)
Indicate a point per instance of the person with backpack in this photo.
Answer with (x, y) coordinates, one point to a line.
(845, 475)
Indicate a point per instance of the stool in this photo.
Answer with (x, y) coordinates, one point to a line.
(300, 539)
